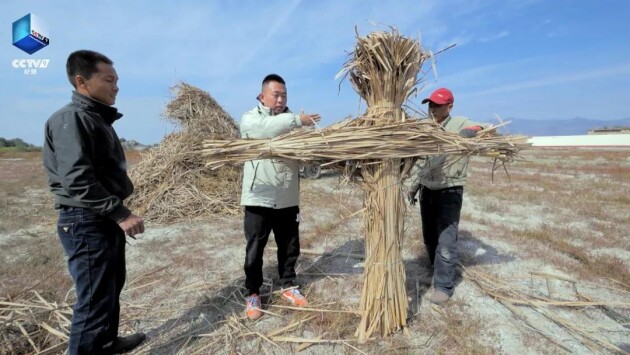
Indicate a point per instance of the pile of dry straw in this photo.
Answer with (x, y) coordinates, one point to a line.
(172, 181)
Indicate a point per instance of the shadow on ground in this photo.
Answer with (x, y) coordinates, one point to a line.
(209, 312)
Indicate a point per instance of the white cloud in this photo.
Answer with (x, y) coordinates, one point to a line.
(277, 23)
(558, 32)
(459, 40)
(621, 70)
(495, 37)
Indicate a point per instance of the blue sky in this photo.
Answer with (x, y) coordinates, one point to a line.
(533, 59)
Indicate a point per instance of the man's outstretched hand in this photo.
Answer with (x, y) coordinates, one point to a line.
(309, 119)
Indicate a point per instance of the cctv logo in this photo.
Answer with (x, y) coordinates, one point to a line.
(30, 34)
(30, 63)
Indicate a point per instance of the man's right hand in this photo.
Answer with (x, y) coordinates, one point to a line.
(132, 225)
(411, 196)
(309, 119)
(471, 131)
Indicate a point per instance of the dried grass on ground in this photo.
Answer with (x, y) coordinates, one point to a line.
(171, 181)
(34, 325)
(185, 279)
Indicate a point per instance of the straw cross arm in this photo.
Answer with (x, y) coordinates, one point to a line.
(350, 141)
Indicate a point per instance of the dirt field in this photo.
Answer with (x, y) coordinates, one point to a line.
(545, 267)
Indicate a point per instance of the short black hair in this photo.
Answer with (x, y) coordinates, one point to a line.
(84, 62)
(273, 77)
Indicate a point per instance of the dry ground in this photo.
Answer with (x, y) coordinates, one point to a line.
(535, 250)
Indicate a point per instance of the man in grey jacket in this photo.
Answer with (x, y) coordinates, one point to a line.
(87, 174)
(270, 195)
(441, 184)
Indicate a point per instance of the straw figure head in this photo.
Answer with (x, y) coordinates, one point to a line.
(383, 68)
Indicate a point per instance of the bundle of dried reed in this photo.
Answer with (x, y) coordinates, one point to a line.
(361, 139)
(383, 69)
(171, 181)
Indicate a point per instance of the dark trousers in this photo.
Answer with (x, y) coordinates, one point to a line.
(440, 212)
(95, 247)
(259, 223)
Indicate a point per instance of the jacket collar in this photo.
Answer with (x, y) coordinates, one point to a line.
(446, 121)
(108, 113)
(262, 109)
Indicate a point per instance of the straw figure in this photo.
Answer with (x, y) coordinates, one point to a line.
(383, 70)
(383, 144)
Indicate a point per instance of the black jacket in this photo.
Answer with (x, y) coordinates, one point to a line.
(84, 159)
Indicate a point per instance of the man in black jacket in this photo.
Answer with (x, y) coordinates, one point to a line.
(87, 174)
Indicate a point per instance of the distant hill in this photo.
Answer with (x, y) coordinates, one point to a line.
(19, 145)
(16, 145)
(566, 127)
(132, 144)
(15, 142)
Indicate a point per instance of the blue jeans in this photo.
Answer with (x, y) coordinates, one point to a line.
(95, 247)
(440, 212)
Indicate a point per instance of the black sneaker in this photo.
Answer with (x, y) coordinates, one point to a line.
(128, 343)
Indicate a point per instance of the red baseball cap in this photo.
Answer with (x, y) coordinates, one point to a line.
(440, 96)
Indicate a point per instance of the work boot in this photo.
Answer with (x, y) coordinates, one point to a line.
(125, 344)
(439, 297)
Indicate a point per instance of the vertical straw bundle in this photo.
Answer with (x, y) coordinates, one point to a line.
(383, 70)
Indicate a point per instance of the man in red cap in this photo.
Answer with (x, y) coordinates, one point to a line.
(441, 184)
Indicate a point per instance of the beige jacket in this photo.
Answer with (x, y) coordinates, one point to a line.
(273, 183)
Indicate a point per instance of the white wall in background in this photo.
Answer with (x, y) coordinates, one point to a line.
(593, 140)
